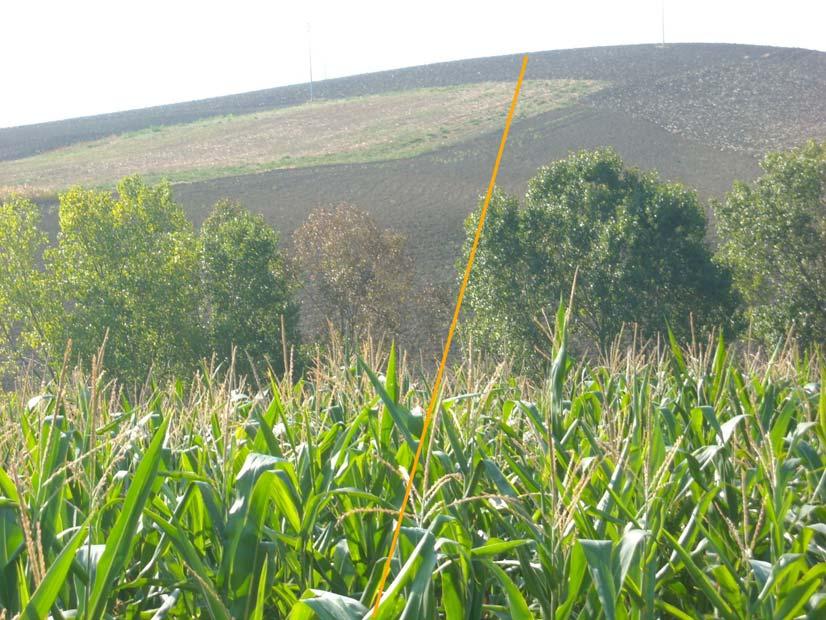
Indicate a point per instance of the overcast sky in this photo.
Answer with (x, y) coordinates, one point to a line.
(62, 59)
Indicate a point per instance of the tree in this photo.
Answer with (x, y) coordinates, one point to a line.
(773, 235)
(247, 287)
(636, 242)
(22, 294)
(356, 275)
(126, 266)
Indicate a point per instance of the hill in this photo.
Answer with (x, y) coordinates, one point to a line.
(702, 114)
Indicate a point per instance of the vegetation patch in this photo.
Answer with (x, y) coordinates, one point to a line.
(372, 128)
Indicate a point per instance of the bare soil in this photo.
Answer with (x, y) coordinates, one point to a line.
(766, 100)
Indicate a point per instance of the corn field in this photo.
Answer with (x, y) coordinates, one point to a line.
(675, 483)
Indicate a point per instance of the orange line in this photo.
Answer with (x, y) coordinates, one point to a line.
(439, 375)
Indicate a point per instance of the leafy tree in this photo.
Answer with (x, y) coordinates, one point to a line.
(773, 234)
(22, 295)
(356, 275)
(126, 266)
(247, 287)
(637, 243)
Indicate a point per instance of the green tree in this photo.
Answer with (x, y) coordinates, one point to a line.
(356, 276)
(126, 266)
(773, 235)
(247, 286)
(22, 297)
(636, 242)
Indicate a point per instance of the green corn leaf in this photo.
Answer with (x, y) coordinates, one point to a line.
(784, 565)
(392, 388)
(496, 546)
(598, 554)
(821, 406)
(119, 539)
(453, 599)
(327, 606)
(762, 571)
(11, 536)
(517, 606)
(409, 426)
(422, 557)
(793, 600)
(47, 592)
(180, 540)
(629, 545)
(700, 579)
(260, 596)
(7, 487)
(578, 566)
(263, 479)
(417, 591)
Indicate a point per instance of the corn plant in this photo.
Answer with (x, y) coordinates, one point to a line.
(676, 483)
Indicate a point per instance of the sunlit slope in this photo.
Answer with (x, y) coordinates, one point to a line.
(371, 128)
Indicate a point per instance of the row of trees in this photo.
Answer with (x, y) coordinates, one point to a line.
(639, 247)
(130, 267)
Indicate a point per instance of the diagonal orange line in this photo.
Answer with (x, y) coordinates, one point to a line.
(440, 374)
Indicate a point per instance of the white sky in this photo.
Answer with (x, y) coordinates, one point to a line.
(68, 58)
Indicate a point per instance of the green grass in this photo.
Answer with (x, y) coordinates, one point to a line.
(364, 129)
(677, 483)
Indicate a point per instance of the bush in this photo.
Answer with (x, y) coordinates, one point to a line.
(247, 288)
(773, 235)
(636, 242)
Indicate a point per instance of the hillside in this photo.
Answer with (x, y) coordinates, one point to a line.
(702, 114)
(380, 127)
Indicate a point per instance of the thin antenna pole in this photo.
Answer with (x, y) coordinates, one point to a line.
(310, 56)
(662, 15)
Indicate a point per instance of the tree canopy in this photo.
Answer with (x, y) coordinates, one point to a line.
(356, 275)
(21, 281)
(773, 235)
(125, 266)
(247, 288)
(636, 242)
(127, 269)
